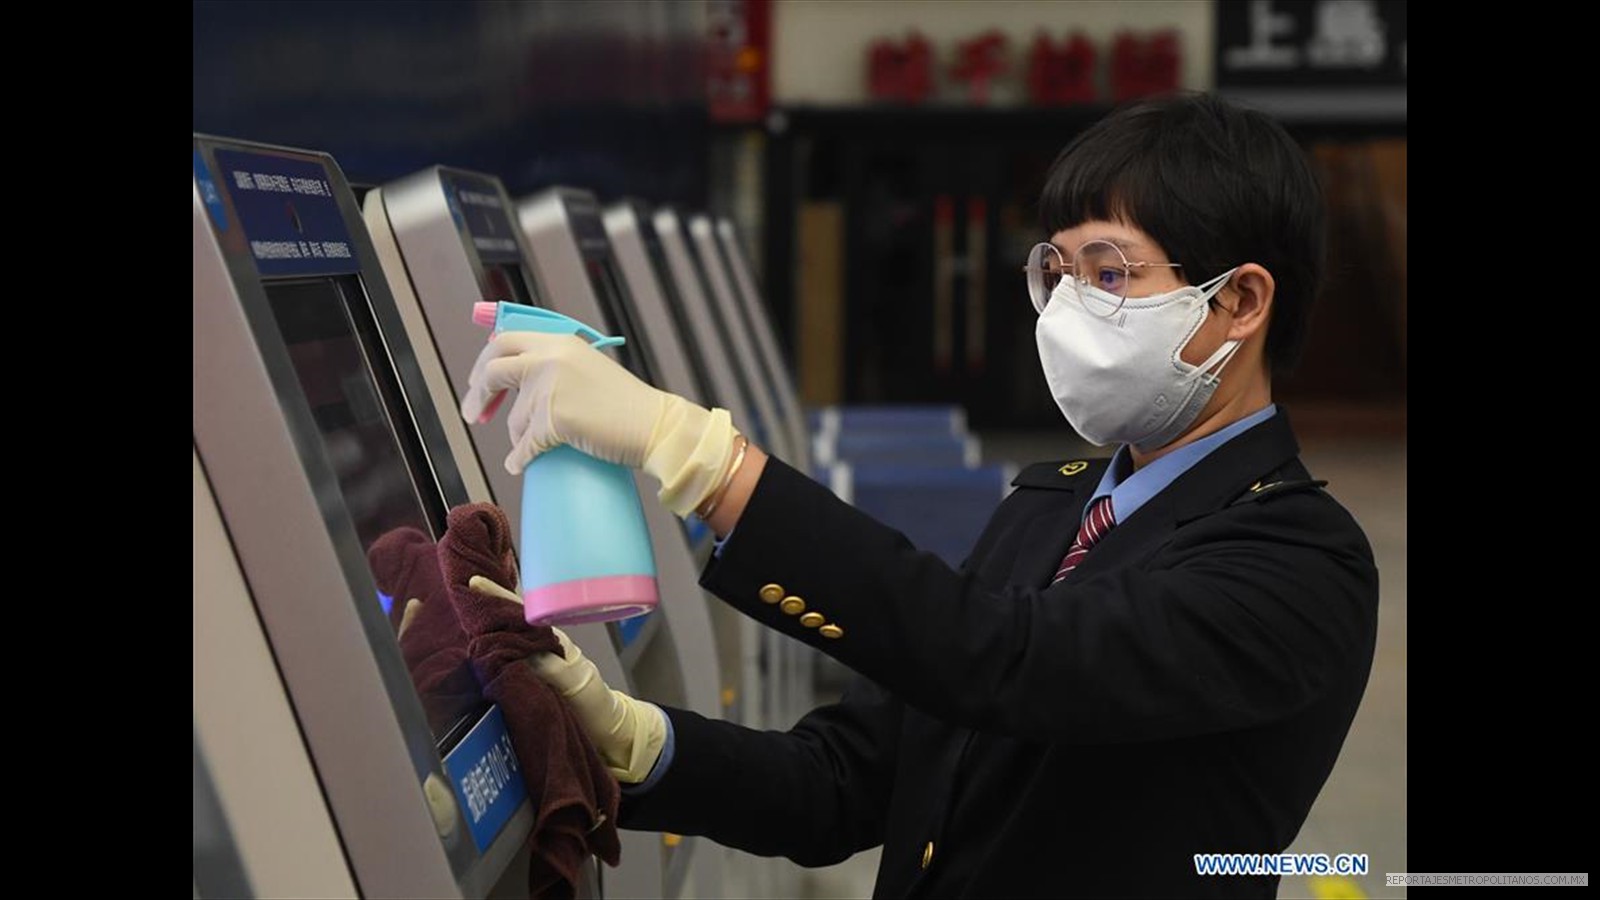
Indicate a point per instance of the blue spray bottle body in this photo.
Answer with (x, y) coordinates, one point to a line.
(585, 550)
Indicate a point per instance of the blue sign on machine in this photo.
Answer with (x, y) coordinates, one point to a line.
(478, 204)
(487, 780)
(289, 213)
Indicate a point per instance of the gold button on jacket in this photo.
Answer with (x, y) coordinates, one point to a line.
(794, 606)
(772, 593)
(812, 619)
(927, 854)
(831, 631)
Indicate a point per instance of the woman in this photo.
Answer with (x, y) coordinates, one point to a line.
(1143, 658)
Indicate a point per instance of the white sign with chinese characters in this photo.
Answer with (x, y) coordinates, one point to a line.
(1304, 43)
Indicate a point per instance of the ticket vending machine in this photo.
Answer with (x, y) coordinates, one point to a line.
(707, 337)
(653, 250)
(754, 671)
(660, 305)
(643, 264)
(790, 695)
(767, 669)
(741, 341)
(708, 340)
(262, 827)
(219, 871)
(448, 238)
(780, 383)
(314, 436)
(567, 240)
(780, 376)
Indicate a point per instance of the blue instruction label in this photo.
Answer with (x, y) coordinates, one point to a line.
(479, 205)
(289, 213)
(487, 780)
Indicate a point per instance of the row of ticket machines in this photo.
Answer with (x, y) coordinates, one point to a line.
(333, 338)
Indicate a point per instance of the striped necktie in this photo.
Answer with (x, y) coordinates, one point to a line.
(1095, 525)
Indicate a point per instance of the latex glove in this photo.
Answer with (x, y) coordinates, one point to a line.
(570, 393)
(408, 616)
(627, 733)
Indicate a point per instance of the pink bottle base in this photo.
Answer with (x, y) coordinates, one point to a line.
(590, 600)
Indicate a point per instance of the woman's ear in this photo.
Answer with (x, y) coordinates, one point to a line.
(1248, 299)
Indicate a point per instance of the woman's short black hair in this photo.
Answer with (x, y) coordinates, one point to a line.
(1215, 184)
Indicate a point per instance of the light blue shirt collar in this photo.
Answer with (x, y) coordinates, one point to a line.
(1129, 492)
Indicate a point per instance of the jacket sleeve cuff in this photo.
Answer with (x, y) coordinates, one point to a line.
(663, 762)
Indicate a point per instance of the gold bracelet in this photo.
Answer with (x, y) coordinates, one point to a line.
(716, 498)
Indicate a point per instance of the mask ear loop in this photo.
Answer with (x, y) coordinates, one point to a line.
(1209, 289)
(1218, 360)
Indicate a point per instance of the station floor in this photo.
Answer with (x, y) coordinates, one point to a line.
(1362, 808)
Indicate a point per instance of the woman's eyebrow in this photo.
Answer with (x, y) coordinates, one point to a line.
(1121, 243)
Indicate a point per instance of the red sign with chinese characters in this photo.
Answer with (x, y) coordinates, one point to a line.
(1064, 74)
(978, 62)
(1144, 64)
(900, 72)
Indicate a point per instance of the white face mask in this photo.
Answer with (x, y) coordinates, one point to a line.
(1118, 378)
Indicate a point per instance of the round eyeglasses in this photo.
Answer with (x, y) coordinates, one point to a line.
(1100, 265)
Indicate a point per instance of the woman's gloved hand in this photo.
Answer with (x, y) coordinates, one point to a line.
(627, 733)
(570, 393)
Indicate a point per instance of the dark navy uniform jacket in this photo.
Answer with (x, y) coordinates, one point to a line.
(1184, 690)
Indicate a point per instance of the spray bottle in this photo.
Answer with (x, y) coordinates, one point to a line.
(586, 553)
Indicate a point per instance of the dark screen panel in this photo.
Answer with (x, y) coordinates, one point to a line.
(617, 305)
(355, 405)
(505, 282)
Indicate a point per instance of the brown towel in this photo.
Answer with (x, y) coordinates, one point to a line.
(575, 797)
(405, 564)
(393, 560)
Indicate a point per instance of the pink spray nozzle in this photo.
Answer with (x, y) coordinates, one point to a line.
(484, 312)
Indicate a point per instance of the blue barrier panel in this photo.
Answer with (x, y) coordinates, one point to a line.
(925, 418)
(904, 449)
(941, 510)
